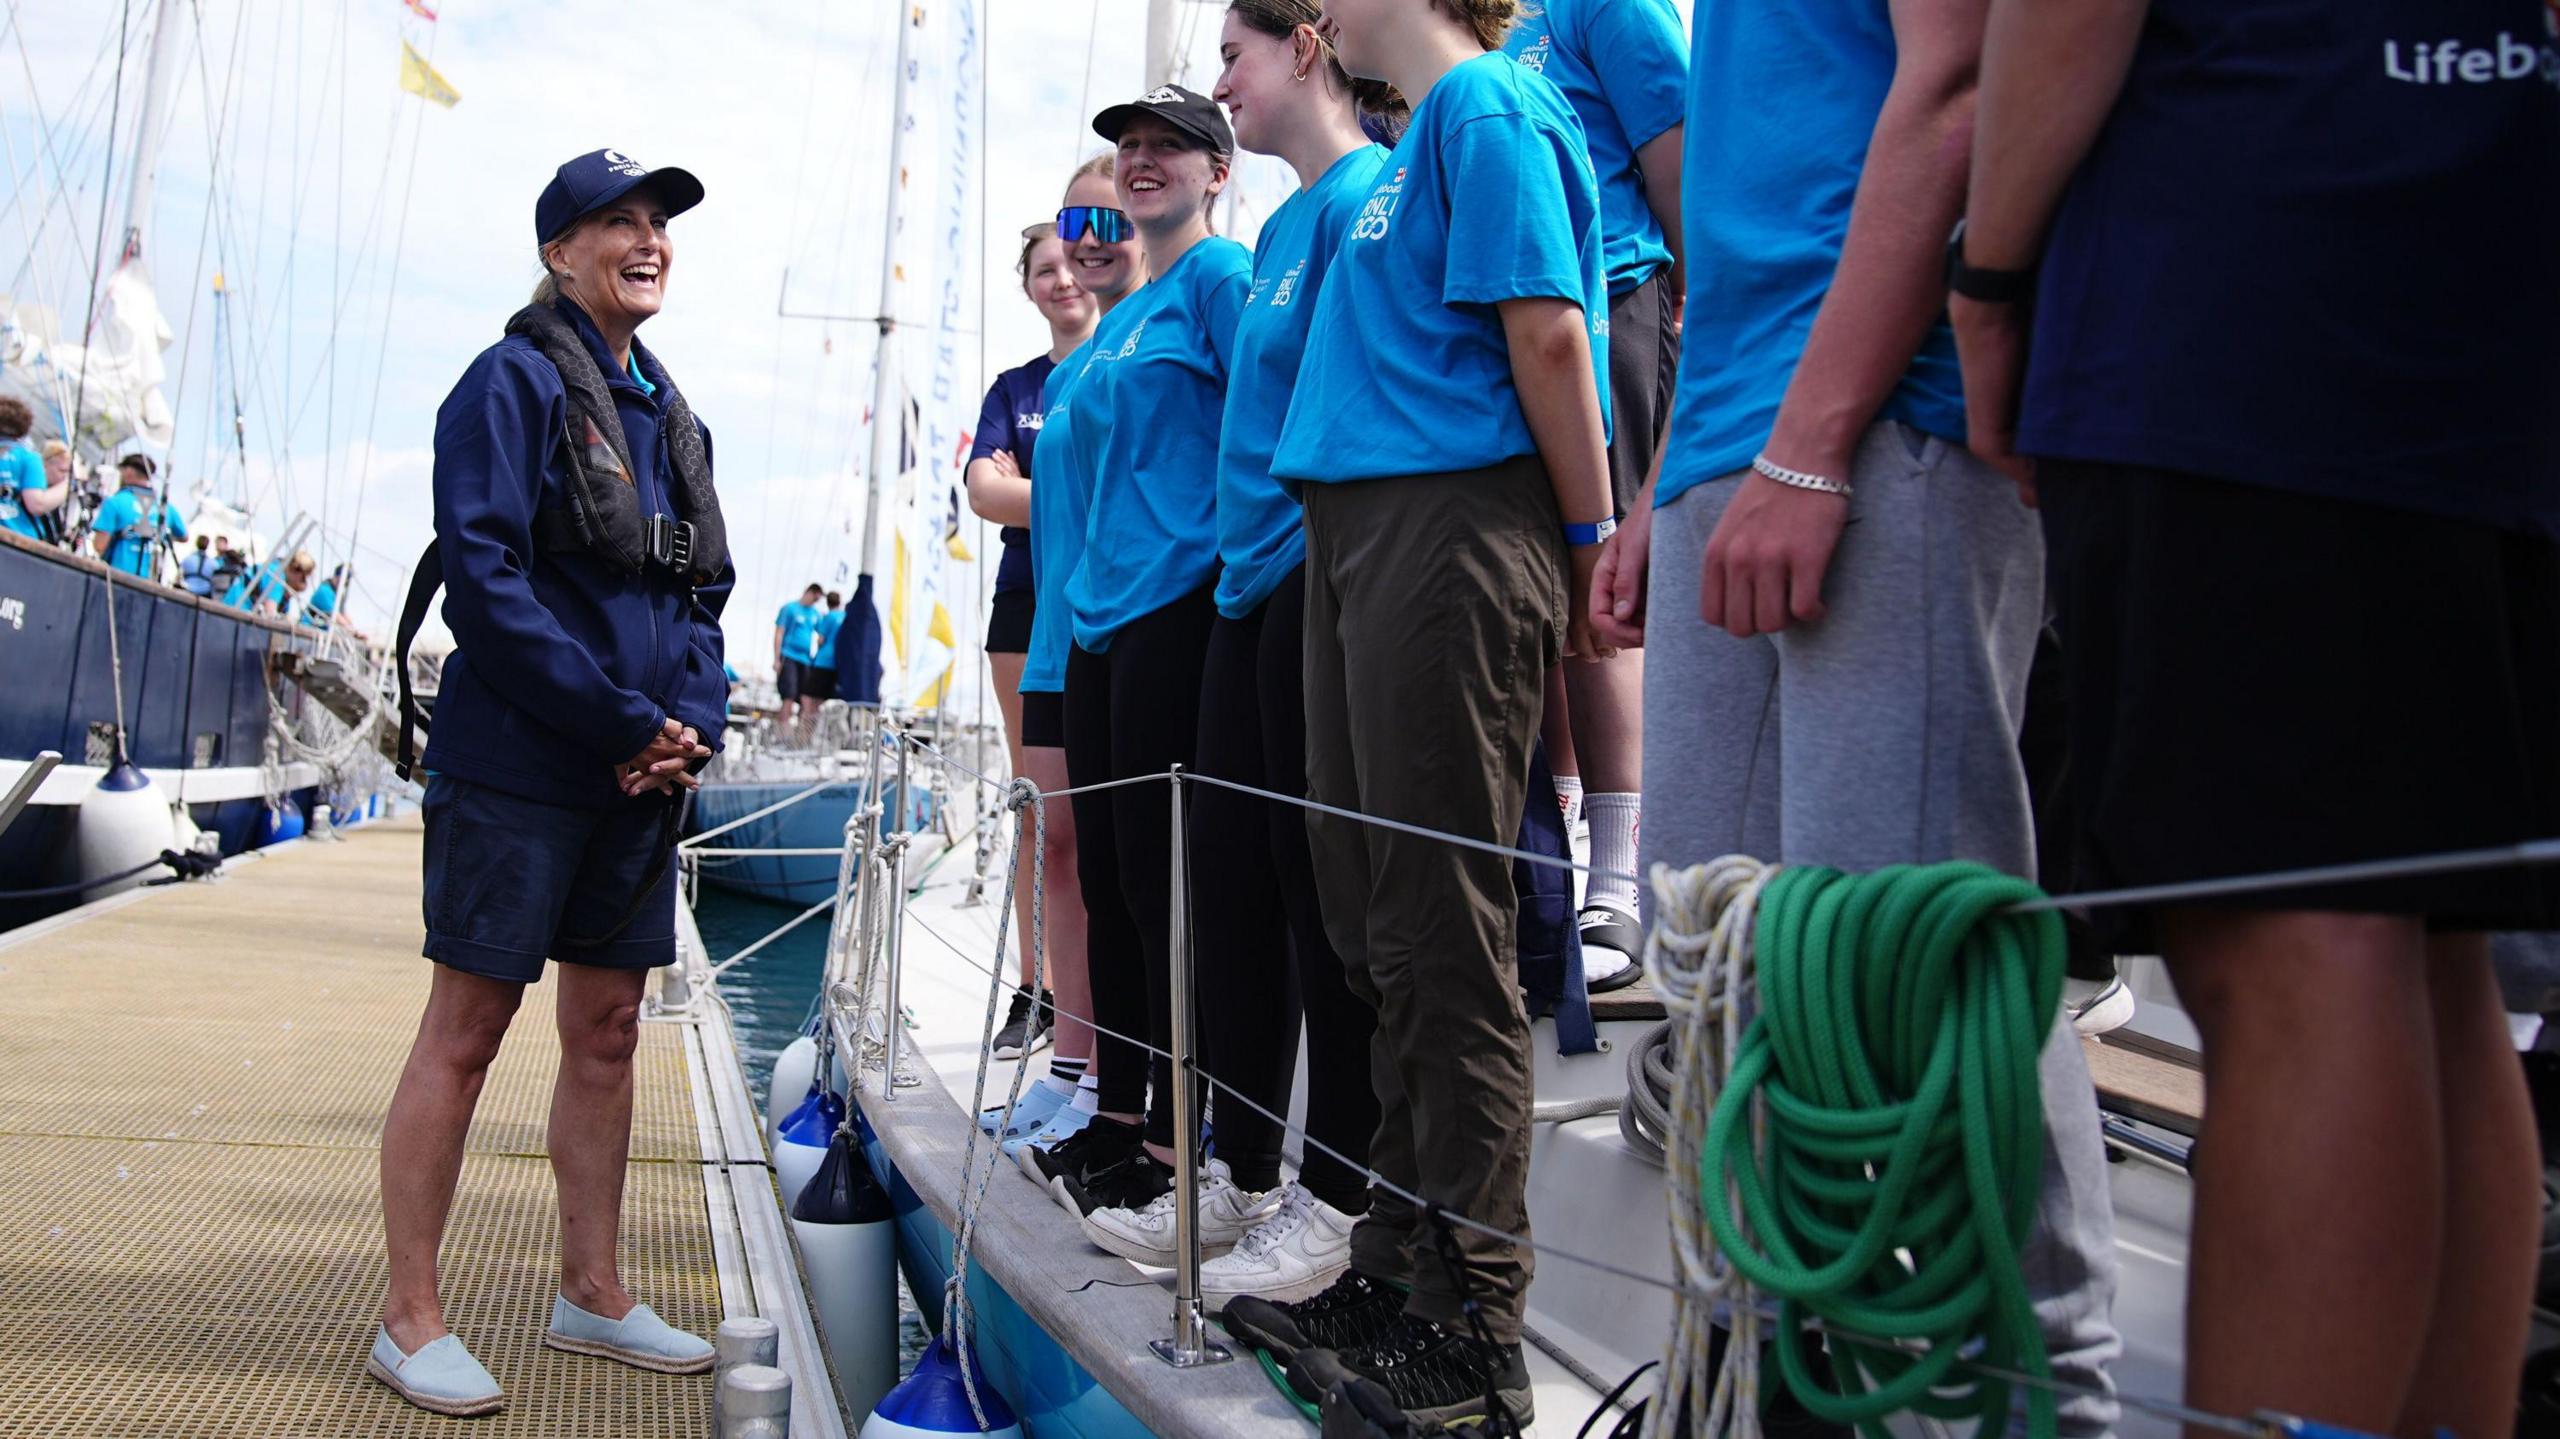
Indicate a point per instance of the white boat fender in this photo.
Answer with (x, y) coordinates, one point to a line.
(795, 1073)
(124, 822)
(933, 1402)
(849, 1247)
(800, 1144)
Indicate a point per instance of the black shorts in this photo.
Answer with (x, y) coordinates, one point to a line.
(1044, 719)
(1009, 622)
(791, 679)
(1644, 358)
(2261, 680)
(818, 682)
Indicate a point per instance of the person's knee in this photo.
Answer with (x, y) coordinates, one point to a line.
(463, 1036)
(607, 1036)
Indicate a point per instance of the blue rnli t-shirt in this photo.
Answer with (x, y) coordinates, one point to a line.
(1011, 420)
(1058, 504)
(21, 469)
(1154, 401)
(799, 624)
(1261, 532)
(1765, 201)
(1489, 197)
(1624, 67)
(828, 625)
(127, 515)
(2314, 249)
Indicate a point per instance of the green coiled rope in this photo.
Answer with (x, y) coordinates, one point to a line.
(1893, 1061)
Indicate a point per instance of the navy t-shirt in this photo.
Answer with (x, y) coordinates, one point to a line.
(1010, 420)
(2314, 249)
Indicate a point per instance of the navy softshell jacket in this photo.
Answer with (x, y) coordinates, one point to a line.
(563, 666)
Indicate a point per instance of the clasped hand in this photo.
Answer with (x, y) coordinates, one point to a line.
(664, 764)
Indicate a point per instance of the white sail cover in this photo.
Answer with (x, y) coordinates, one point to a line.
(120, 399)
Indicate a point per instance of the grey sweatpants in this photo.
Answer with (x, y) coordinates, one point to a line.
(1887, 734)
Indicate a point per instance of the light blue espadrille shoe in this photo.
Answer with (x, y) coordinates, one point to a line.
(640, 1339)
(441, 1378)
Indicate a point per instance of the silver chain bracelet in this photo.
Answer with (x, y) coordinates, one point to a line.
(1799, 479)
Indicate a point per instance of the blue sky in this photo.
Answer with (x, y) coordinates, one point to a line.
(782, 110)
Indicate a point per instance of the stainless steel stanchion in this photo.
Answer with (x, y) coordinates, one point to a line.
(755, 1403)
(1190, 1347)
(895, 917)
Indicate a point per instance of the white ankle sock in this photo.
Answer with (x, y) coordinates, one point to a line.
(1569, 797)
(1088, 1094)
(1614, 819)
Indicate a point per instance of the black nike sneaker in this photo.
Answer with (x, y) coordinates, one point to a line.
(1431, 1373)
(1090, 1150)
(1026, 1026)
(1346, 1314)
(1133, 1183)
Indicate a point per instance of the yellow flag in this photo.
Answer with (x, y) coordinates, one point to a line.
(898, 600)
(939, 629)
(419, 78)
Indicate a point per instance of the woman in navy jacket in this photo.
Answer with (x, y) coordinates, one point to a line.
(580, 544)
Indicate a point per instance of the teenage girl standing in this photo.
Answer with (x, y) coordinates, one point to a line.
(1253, 881)
(1139, 598)
(1448, 435)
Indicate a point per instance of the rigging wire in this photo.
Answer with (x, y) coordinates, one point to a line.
(79, 104)
(391, 300)
(89, 323)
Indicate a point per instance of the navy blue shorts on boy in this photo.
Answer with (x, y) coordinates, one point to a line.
(791, 679)
(511, 881)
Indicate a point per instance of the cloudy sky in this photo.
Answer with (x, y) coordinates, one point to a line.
(781, 109)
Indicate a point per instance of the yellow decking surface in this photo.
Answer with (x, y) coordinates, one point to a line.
(191, 1096)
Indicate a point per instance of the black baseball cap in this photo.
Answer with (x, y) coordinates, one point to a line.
(1189, 111)
(597, 179)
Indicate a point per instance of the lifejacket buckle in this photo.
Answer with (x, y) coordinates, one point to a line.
(671, 542)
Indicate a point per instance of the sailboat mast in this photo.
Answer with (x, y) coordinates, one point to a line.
(150, 127)
(888, 418)
(1160, 42)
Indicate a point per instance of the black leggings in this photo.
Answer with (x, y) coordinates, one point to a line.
(1133, 710)
(1263, 951)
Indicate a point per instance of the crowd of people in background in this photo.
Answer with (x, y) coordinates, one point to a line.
(1579, 342)
(136, 530)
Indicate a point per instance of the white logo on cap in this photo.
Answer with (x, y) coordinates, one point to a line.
(624, 164)
(1162, 95)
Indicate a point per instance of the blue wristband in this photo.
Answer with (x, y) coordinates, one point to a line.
(1591, 534)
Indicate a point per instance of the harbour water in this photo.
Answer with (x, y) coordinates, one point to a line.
(769, 998)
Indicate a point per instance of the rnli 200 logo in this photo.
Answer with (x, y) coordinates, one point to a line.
(1380, 212)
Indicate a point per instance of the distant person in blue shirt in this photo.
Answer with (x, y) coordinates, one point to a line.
(320, 611)
(1001, 452)
(1624, 67)
(135, 522)
(1836, 657)
(819, 682)
(1140, 603)
(27, 491)
(275, 587)
(1449, 437)
(1262, 940)
(196, 571)
(795, 649)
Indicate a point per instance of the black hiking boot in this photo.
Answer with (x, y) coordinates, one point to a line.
(1430, 1373)
(1350, 1312)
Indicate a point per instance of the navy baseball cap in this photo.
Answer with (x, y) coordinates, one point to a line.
(597, 179)
(1189, 111)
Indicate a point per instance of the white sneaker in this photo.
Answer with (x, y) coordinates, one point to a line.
(2095, 1007)
(1304, 1246)
(1146, 1236)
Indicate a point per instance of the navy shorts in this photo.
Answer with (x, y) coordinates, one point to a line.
(511, 881)
(790, 678)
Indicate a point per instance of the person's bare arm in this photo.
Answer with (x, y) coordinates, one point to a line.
(2050, 75)
(98, 542)
(998, 491)
(1550, 343)
(1765, 563)
(46, 500)
(1659, 163)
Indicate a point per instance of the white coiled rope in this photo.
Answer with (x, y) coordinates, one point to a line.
(1699, 959)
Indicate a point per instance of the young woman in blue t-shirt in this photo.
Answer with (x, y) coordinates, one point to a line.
(1448, 437)
(999, 480)
(1146, 409)
(1254, 893)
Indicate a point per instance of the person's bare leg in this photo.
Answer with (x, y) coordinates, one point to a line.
(1607, 700)
(1063, 925)
(422, 1140)
(2475, 1338)
(1555, 729)
(590, 1140)
(2318, 1192)
(1007, 670)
